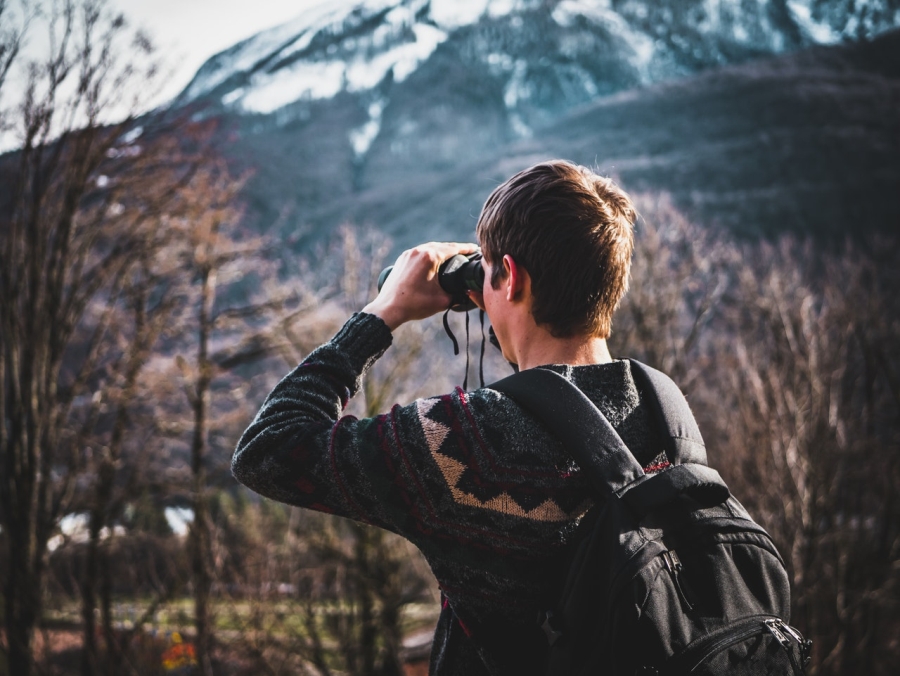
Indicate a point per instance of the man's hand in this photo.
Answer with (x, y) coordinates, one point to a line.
(412, 290)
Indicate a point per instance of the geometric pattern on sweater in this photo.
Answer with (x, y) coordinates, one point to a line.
(456, 471)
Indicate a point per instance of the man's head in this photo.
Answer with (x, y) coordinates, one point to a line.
(572, 231)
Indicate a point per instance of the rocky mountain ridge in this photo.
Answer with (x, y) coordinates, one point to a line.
(355, 106)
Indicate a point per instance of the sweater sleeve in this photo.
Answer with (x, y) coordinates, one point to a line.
(431, 471)
(299, 449)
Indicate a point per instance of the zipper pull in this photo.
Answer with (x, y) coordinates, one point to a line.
(775, 630)
(804, 643)
(778, 629)
(674, 566)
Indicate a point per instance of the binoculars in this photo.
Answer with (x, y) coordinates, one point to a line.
(456, 275)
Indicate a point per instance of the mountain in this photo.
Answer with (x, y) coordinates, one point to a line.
(393, 112)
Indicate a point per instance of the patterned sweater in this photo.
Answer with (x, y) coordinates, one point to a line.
(481, 488)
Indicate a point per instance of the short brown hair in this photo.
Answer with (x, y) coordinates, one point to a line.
(572, 230)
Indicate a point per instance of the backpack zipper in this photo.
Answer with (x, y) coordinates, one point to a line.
(674, 566)
(712, 644)
(805, 644)
(778, 629)
(775, 630)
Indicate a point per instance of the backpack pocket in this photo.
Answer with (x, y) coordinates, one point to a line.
(714, 607)
(755, 645)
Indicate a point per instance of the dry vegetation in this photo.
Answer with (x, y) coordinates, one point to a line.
(783, 349)
(140, 328)
(787, 351)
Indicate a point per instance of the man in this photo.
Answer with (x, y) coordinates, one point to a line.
(490, 498)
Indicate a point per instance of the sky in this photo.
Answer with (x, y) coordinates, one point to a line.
(188, 32)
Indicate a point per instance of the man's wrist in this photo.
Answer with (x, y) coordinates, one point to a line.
(388, 314)
(363, 339)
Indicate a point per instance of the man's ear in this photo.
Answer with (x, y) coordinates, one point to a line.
(516, 278)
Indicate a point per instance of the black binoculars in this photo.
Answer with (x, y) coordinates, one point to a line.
(456, 276)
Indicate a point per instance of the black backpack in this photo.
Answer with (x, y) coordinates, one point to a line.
(670, 574)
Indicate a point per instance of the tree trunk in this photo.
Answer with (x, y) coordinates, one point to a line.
(94, 570)
(21, 602)
(113, 647)
(200, 529)
(88, 607)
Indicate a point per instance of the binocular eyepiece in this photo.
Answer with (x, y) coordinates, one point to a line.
(456, 276)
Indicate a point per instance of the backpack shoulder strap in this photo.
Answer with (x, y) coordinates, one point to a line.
(575, 421)
(589, 437)
(680, 435)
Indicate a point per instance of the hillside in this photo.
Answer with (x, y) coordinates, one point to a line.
(808, 141)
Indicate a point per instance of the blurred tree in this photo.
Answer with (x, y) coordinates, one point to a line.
(143, 313)
(808, 377)
(66, 241)
(323, 591)
(679, 277)
(230, 316)
(787, 353)
(208, 247)
(79, 235)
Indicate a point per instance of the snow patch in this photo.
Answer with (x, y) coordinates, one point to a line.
(232, 96)
(283, 40)
(642, 46)
(315, 80)
(179, 519)
(517, 88)
(353, 60)
(739, 31)
(450, 14)
(362, 137)
(500, 8)
(819, 32)
(132, 136)
(324, 77)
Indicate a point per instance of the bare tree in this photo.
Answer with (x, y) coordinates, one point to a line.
(785, 351)
(233, 316)
(809, 413)
(327, 595)
(205, 226)
(78, 219)
(679, 278)
(112, 478)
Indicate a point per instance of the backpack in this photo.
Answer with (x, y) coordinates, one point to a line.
(670, 575)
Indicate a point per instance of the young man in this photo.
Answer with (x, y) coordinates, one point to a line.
(490, 498)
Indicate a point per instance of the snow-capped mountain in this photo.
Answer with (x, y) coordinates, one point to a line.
(347, 111)
(546, 55)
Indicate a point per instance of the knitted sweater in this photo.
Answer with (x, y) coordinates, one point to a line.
(480, 487)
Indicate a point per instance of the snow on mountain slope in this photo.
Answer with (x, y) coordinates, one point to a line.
(352, 45)
(339, 45)
(372, 97)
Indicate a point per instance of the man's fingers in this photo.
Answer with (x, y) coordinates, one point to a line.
(411, 290)
(450, 249)
(433, 254)
(465, 247)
